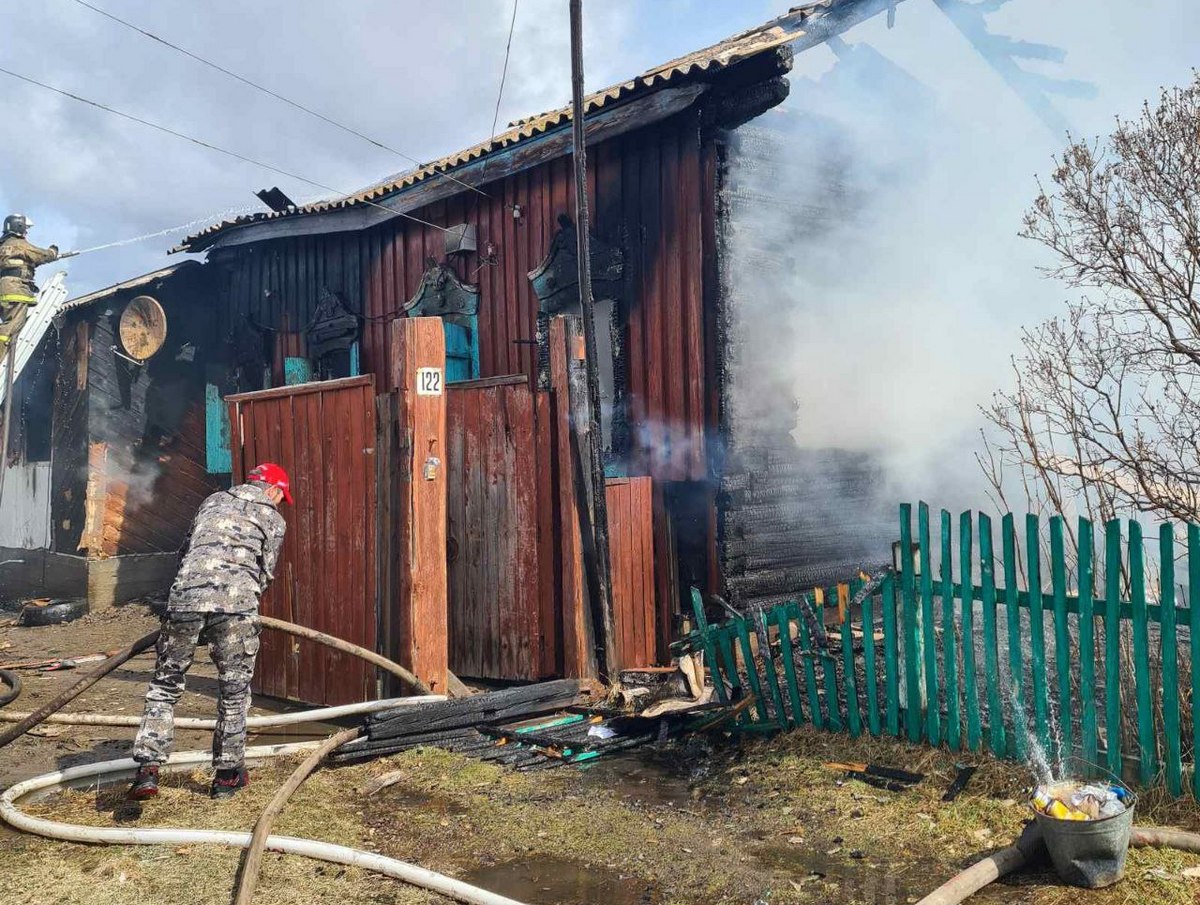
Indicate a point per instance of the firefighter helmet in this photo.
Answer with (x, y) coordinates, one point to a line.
(17, 225)
(274, 475)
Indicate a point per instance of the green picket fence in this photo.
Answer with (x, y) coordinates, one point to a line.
(968, 656)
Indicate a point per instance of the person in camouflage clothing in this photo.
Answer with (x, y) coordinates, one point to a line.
(18, 259)
(229, 560)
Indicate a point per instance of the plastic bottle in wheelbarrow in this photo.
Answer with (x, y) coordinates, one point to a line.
(1086, 828)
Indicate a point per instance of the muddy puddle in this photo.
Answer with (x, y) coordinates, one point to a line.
(401, 797)
(557, 881)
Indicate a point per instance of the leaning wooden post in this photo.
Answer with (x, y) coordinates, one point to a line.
(579, 652)
(606, 648)
(419, 359)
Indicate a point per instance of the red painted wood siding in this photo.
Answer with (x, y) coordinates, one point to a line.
(324, 435)
(631, 550)
(501, 576)
(647, 194)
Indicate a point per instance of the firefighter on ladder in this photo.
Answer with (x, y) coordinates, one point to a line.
(18, 259)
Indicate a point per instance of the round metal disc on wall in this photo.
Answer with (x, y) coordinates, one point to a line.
(143, 327)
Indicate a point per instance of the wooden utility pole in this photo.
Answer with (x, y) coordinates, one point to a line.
(600, 574)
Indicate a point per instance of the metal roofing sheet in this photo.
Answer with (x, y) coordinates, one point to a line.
(145, 279)
(699, 63)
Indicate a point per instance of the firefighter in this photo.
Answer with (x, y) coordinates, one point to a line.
(228, 562)
(18, 259)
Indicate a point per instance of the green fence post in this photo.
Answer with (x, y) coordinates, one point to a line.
(1017, 743)
(967, 604)
(991, 656)
(780, 616)
(933, 710)
(908, 597)
(1087, 643)
(849, 679)
(870, 670)
(810, 670)
(1141, 654)
(891, 665)
(751, 665)
(1194, 646)
(707, 644)
(1037, 631)
(770, 675)
(1112, 644)
(1062, 635)
(949, 638)
(1170, 660)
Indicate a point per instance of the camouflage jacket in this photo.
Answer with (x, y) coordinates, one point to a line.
(230, 555)
(18, 258)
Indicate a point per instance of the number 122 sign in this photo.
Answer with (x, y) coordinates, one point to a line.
(429, 381)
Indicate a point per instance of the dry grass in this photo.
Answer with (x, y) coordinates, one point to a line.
(766, 822)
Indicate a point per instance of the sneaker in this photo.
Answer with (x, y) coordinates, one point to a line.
(145, 783)
(227, 782)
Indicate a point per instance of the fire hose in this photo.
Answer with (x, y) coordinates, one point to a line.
(255, 843)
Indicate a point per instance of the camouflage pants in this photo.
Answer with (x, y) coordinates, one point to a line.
(233, 644)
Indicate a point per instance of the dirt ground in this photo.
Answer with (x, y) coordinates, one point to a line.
(704, 821)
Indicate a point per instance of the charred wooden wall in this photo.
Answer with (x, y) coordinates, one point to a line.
(69, 426)
(129, 463)
(647, 196)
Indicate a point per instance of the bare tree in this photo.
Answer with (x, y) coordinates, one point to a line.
(1105, 410)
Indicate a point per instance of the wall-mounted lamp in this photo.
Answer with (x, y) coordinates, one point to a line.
(517, 212)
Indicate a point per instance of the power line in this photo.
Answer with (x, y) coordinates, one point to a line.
(287, 100)
(504, 72)
(212, 147)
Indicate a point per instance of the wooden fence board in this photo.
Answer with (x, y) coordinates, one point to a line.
(928, 637)
(1141, 654)
(1037, 632)
(1170, 661)
(967, 604)
(1062, 637)
(1193, 545)
(991, 655)
(632, 558)
(949, 637)
(1087, 642)
(1018, 739)
(325, 575)
(870, 666)
(1112, 650)
(912, 672)
(890, 655)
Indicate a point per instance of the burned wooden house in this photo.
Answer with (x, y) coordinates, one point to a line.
(301, 351)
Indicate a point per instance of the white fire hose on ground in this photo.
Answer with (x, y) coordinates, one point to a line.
(115, 770)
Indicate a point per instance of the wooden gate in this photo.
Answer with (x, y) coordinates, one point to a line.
(324, 435)
(500, 530)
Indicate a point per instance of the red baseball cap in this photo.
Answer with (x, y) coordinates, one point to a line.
(270, 473)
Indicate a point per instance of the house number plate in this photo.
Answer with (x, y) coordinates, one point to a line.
(429, 381)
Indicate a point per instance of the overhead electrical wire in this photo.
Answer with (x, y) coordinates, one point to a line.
(503, 72)
(287, 100)
(217, 148)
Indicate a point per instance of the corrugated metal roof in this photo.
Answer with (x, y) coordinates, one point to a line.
(145, 279)
(695, 65)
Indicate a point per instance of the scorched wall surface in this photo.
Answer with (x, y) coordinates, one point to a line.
(646, 193)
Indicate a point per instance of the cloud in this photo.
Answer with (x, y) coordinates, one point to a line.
(419, 77)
